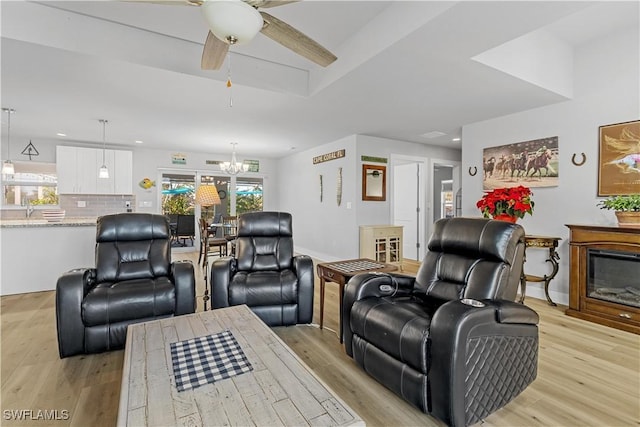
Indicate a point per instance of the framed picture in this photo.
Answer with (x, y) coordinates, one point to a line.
(530, 163)
(374, 183)
(619, 159)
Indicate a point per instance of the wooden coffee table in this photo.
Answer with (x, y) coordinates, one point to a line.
(280, 390)
(341, 272)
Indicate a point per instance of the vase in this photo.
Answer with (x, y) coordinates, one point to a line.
(628, 218)
(506, 217)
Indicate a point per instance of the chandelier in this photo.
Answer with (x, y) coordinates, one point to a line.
(233, 167)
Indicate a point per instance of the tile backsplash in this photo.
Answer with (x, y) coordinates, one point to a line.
(80, 206)
(95, 204)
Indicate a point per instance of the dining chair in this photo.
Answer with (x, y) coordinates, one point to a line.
(230, 231)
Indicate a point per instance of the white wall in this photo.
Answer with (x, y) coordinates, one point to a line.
(323, 229)
(606, 91)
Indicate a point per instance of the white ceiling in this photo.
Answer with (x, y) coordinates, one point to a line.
(404, 69)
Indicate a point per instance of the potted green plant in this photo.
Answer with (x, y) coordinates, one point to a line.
(626, 208)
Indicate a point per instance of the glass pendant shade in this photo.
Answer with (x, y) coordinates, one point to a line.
(232, 20)
(103, 172)
(7, 168)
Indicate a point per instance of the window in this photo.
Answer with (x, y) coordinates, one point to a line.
(33, 183)
(248, 195)
(178, 194)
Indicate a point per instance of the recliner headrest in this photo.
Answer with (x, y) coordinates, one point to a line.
(265, 224)
(476, 238)
(131, 227)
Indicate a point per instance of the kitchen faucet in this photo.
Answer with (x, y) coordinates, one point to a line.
(30, 209)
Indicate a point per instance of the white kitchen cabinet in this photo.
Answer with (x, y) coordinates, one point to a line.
(78, 167)
(74, 166)
(66, 169)
(123, 172)
(382, 243)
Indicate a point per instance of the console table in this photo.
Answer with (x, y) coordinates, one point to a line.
(542, 242)
(340, 272)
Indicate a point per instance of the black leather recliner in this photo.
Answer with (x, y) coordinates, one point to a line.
(451, 340)
(133, 281)
(265, 274)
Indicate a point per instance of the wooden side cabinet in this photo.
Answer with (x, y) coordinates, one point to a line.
(382, 243)
(604, 267)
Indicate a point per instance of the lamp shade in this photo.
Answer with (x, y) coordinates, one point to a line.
(232, 20)
(207, 195)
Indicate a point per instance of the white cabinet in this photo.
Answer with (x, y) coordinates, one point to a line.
(77, 169)
(123, 172)
(382, 243)
(74, 166)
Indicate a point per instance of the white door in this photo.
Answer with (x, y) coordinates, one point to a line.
(408, 202)
(406, 206)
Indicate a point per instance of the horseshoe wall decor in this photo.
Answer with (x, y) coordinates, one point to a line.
(475, 171)
(573, 159)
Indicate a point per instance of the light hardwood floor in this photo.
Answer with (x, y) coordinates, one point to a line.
(589, 375)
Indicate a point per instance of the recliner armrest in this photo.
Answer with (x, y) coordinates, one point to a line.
(71, 289)
(497, 332)
(184, 281)
(366, 285)
(513, 312)
(303, 269)
(222, 270)
(374, 284)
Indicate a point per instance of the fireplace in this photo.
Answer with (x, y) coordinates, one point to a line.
(614, 276)
(604, 277)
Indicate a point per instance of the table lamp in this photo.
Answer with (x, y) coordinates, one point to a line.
(207, 196)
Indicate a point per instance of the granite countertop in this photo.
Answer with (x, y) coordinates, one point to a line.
(67, 222)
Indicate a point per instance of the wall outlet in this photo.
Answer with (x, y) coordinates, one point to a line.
(82, 204)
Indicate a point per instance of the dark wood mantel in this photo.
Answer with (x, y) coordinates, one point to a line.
(581, 305)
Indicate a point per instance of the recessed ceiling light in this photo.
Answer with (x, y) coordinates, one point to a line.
(456, 139)
(61, 134)
(139, 142)
(433, 134)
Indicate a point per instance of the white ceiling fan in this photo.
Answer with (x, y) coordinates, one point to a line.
(238, 21)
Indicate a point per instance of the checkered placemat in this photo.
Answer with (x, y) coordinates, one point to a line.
(208, 359)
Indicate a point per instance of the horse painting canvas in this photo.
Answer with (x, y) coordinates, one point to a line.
(530, 163)
(619, 163)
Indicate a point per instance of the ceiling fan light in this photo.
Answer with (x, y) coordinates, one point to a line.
(232, 18)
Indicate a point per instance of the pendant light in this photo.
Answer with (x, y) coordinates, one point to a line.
(7, 165)
(233, 167)
(104, 171)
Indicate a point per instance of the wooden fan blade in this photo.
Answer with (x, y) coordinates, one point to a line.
(293, 39)
(214, 53)
(269, 3)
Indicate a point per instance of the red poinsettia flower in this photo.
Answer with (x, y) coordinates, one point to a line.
(513, 201)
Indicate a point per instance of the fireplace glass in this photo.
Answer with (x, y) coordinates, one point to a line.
(614, 276)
